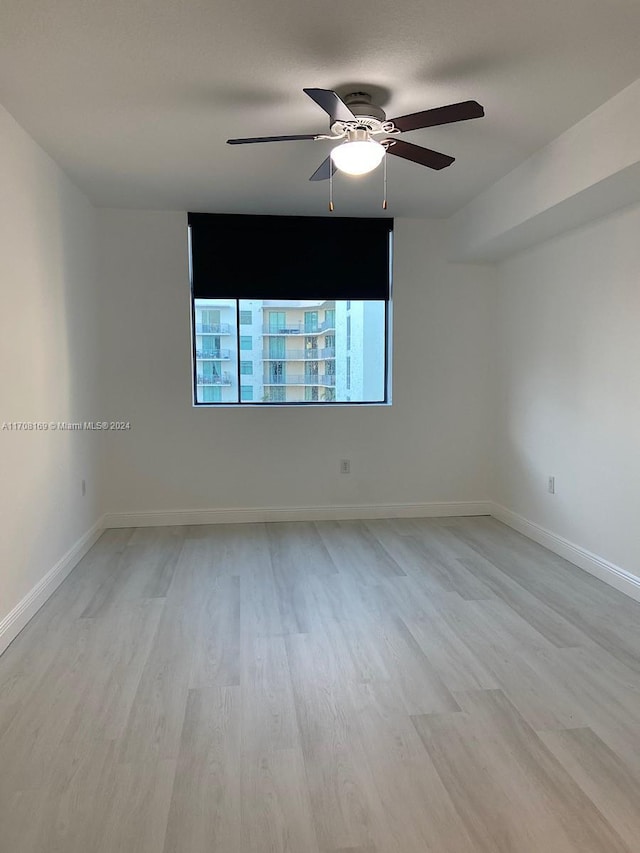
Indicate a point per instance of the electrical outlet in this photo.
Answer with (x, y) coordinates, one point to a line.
(84, 488)
(551, 485)
(345, 466)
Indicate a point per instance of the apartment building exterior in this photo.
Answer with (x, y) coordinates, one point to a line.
(215, 351)
(275, 351)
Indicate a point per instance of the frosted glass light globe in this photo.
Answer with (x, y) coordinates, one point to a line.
(359, 157)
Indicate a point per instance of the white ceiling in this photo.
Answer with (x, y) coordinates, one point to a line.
(136, 99)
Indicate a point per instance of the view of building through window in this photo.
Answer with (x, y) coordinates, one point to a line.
(289, 351)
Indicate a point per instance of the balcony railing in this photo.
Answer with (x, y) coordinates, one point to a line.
(222, 379)
(302, 355)
(297, 328)
(326, 380)
(213, 354)
(213, 329)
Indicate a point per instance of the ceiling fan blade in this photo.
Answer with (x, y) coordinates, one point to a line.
(324, 170)
(331, 103)
(271, 139)
(440, 115)
(423, 156)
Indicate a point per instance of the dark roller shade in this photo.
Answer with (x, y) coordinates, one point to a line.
(289, 257)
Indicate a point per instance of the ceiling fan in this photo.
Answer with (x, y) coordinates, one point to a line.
(355, 122)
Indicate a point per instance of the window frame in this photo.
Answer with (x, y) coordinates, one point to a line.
(388, 360)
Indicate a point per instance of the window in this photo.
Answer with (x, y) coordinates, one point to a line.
(211, 395)
(277, 347)
(275, 373)
(277, 322)
(275, 395)
(209, 321)
(311, 321)
(278, 328)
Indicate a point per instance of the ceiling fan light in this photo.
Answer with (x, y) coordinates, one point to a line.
(358, 157)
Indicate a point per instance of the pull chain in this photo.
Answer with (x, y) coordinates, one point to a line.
(384, 183)
(331, 187)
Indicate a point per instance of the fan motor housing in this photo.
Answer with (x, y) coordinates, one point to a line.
(361, 106)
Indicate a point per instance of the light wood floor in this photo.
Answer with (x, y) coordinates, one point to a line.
(399, 686)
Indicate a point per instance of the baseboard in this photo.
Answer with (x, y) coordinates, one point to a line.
(606, 571)
(300, 513)
(17, 618)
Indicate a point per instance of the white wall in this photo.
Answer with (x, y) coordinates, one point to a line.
(569, 358)
(589, 171)
(48, 355)
(431, 445)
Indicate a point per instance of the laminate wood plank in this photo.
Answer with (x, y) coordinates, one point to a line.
(231, 549)
(407, 551)
(443, 550)
(117, 652)
(299, 549)
(356, 551)
(138, 807)
(458, 664)
(205, 811)
(608, 704)
(157, 714)
(408, 598)
(30, 741)
(345, 598)
(430, 558)
(509, 790)
(545, 620)
(77, 798)
(297, 554)
(518, 660)
(260, 614)
(336, 597)
(293, 595)
(145, 569)
(215, 657)
(168, 550)
(367, 849)
(12, 692)
(268, 712)
(354, 645)
(412, 673)
(21, 815)
(88, 696)
(156, 719)
(602, 775)
(418, 810)
(345, 804)
(276, 810)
